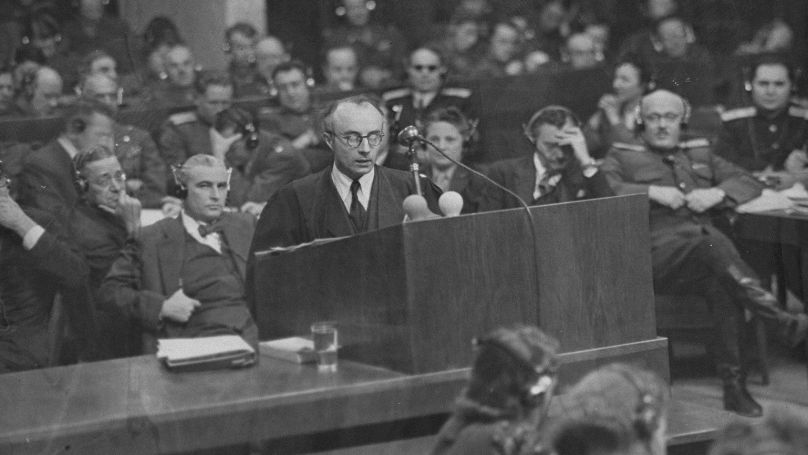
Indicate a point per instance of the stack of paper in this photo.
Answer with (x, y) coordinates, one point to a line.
(293, 349)
(205, 353)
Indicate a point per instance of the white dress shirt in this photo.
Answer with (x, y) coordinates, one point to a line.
(212, 240)
(343, 184)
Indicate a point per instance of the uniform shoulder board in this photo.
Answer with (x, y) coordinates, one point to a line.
(695, 143)
(628, 147)
(396, 93)
(797, 111)
(735, 114)
(182, 117)
(456, 91)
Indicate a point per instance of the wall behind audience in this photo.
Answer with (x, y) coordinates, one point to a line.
(201, 22)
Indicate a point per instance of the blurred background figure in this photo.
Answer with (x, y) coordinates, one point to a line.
(502, 57)
(582, 52)
(502, 407)
(461, 45)
(780, 433)
(381, 48)
(452, 133)
(340, 68)
(240, 39)
(269, 53)
(40, 93)
(617, 112)
(615, 410)
(177, 89)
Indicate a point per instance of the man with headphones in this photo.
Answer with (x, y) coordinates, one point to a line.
(239, 44)
(502, 408)
(297, 116)
(180, 87)
(188, 133)
(560, 168)
(184, 276)
(105, 218)
(687, 184)
(47, 177)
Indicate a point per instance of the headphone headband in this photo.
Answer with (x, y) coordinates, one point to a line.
(646, 413)
(639, 125)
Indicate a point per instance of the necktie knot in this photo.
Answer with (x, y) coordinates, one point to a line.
(205, 229)
(355, 187)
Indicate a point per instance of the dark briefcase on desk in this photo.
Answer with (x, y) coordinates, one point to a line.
(205, 353)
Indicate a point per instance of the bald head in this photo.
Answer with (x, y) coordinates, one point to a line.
(47, 89)
(102, 88)
(583, 51)
(662, 113)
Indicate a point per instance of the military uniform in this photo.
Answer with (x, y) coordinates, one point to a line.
(689, 255)
(756, 141)
(182, 136)
(403, 112)
(165, 95)
(753, 140)
(139, 158)
(291, 125)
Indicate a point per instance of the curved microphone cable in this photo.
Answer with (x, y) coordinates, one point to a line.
(524, 205)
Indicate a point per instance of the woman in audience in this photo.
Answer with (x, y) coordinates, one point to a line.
(511, 383)
(616, 115)
(615, 410)
(451, 132)
(461, 46)
(781, 433)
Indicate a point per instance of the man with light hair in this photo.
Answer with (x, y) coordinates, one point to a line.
(184, 277)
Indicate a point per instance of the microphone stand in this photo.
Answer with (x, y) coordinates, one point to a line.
(414, 169)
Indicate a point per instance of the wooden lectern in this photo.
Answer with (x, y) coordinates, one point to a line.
(411, 297)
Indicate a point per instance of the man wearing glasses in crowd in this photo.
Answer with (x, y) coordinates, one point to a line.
(352, 196)
(106, 217)
(426, 72)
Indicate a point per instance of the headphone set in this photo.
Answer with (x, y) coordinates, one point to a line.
(340, 11)
(531, 393)
(180, 190)
(527, 128)
(639, 125)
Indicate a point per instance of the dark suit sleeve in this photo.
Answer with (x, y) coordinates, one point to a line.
(739, 185)
(488, 196)
(121, 290)
(281, 222)
(38, 187)
(597, 186)
(58, 259)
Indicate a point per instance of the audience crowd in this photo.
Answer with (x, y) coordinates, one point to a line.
(254, 156)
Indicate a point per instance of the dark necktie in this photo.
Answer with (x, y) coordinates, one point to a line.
(357, 212)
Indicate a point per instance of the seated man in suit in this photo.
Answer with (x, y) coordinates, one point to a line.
(184, 277)
(352, 196)
(105, 218)
(37, 263)
(46, 179)
(686, 184)
(560, 169)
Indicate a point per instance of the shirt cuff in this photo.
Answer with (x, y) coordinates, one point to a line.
(31, 237)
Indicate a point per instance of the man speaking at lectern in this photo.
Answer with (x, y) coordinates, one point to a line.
(350, 197)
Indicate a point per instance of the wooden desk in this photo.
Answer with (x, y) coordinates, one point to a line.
(777, 227)
(135, 406)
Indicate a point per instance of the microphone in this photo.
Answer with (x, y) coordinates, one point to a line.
(416, 209)
(408, 135)
(450, 203)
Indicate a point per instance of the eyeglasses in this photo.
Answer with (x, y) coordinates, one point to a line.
(429, 68)
(355, 139)
(106, 179)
